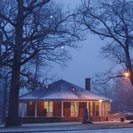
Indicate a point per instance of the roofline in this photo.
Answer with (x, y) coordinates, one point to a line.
(85, 100)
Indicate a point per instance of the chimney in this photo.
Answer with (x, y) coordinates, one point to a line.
(87, 84)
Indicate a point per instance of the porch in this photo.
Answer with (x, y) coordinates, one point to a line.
(56, 111)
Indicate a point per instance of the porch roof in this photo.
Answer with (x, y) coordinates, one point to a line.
(61, 90)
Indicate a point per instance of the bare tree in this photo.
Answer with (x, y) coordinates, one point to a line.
(101, 87)
(32, 27)
(112, 20)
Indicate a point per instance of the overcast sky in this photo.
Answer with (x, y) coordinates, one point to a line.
(87, 61)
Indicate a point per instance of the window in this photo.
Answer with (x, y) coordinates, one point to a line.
(91, 109)
(74, 109)
(48, 105)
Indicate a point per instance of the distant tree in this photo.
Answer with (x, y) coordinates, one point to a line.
(122, 100)
(103, 89)
(37, 72)
(119, 91)
(113, 20)
(32, 27)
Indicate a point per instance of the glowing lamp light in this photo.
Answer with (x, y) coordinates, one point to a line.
(100, 100)
(126, 74)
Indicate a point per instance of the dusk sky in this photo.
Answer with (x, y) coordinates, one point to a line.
(86, 61)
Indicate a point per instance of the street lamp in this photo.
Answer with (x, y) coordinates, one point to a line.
(126, 74)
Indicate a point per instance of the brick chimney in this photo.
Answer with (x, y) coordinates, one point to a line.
(87, 84)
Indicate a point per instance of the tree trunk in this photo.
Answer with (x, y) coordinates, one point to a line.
(13, 98)
(13, 118)
(5, 86)
(129, 65)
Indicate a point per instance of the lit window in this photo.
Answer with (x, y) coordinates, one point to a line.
(74, 109)
(49, 107)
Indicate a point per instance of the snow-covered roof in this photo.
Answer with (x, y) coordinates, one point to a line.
(61, 90)
(23, 91)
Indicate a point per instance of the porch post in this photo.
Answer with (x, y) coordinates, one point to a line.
(48, 108)
(62, 109)
(75, 113)
(87, 105)
(88, 108)
(35, 108)
(100, 108)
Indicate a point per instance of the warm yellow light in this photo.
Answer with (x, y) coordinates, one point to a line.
(30, 103)
(100, 100)
(126, 74)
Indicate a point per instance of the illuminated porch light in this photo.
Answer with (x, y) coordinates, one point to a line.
(100, 100)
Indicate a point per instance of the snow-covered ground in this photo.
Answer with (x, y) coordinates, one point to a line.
(71, 127)
(121, 130)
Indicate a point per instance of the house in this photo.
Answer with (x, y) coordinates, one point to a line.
(65, 101)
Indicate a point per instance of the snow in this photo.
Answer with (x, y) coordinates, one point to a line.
(122, 130)
(72, 127)
(62, 90)
(23, 91)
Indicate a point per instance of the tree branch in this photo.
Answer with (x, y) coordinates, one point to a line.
(7, 19)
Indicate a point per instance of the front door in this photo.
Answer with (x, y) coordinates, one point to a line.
(82, 106)
(66, 109)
